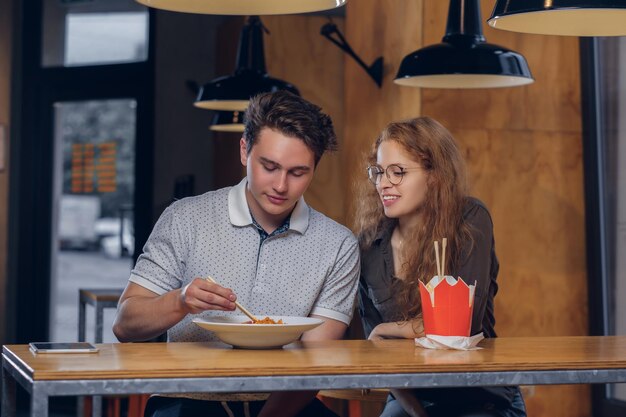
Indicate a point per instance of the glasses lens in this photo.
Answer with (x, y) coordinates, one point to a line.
(395, 174)
(374, 173)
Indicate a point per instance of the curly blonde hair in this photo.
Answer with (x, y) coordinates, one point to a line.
(432, 146)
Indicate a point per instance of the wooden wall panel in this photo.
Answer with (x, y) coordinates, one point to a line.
(532, 183)
(551, 103)
(296, 52)
(524, 152)
(388, 28)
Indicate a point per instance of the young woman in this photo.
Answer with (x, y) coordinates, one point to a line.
(417, 194)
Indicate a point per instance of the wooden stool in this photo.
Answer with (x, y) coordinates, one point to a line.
(355, 397)
(100, 299)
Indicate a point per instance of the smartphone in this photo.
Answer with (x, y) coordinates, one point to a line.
(56, 347)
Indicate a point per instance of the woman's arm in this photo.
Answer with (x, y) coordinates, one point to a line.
(399, 330)
(477, 263)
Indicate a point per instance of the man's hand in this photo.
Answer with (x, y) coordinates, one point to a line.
(142, 314)
(200, 295)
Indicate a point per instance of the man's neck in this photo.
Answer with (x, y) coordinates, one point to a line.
(269, 223)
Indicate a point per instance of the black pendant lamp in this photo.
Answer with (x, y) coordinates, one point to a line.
(233, 92)
(227, 121)
(561, 17)
(464, 59)
(244, 7)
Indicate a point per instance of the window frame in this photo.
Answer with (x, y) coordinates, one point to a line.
(598, 234)
(35, 89)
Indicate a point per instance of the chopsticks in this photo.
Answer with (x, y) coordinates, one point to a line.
(239, 306)
(441, 263)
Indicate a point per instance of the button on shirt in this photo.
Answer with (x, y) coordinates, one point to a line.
(310, 268)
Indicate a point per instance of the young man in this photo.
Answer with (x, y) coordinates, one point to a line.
(261, 242)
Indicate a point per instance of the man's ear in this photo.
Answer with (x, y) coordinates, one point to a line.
(243, 153)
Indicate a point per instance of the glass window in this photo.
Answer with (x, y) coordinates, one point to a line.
(83, 32)
(93, 236)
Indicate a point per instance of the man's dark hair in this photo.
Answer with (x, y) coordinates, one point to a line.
(292, 116)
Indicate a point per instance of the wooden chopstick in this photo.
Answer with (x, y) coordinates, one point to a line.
(444, 243)
(437, 258)
(239, 306)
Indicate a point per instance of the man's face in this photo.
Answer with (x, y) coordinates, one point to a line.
(279, 169)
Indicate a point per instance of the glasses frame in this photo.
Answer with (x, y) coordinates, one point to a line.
(380, 171)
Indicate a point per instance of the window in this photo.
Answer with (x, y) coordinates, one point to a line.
(92, 221)
(82, 32)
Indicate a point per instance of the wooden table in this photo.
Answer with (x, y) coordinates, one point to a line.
(212, 367)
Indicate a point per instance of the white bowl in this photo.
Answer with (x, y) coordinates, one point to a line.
(235, 331)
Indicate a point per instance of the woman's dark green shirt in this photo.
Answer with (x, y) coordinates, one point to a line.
(478, 262)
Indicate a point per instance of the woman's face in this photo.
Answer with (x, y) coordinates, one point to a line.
(403, 200)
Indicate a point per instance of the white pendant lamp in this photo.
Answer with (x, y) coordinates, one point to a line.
(561, 17)
(228, 121)
(244, 7)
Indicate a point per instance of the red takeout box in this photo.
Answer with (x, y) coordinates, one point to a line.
(447, 305)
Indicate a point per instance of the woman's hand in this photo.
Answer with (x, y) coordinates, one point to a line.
(398, 330)
(378, 333)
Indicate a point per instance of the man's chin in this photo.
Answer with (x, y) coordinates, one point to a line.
(277, 209)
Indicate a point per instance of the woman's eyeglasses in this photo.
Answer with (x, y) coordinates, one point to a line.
(393, 172)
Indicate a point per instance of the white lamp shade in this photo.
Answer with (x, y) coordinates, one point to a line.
(236, 127)
(227, 105)
(244, 7)
(463, 81)
(561, 17)
(228, 121)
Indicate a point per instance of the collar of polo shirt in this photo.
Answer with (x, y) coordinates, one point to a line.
(239, 212)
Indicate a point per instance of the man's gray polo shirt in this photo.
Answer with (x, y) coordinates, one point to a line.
(312, 268)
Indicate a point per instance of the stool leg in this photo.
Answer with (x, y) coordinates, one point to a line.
(97, 406)
(113, 407)
(99, 322)
(134, 405)
(97, 399)
(85, 406)
(81, 321)
(144, 403)
(354, 408)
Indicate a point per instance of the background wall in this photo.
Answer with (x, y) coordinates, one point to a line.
(185, 51)
(524, 151)
(6, 11)
(315, 66)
